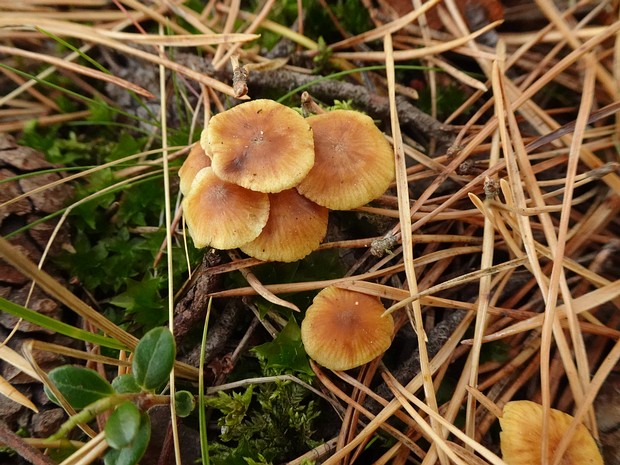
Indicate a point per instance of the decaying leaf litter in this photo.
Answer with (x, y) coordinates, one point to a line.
(501, 224)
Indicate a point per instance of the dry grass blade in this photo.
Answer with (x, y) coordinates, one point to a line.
(79, 354)
(263, 291)
(484, 297)
(400, 55)
(78, 69)
(10, 356)
(256, 22)
(63, 28)
(429, 432)
(470, 277)
(188, 40)
(402, 190)
(584, 303)
(8, 390)
(42, 375)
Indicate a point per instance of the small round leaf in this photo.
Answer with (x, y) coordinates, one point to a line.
(80, 386)
(125, 384)
(153, 358)
(184, 403)
(123, 425)
(131, 454)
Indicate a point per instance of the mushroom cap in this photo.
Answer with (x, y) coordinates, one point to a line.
(261, 145)
(221, 214)
(353, 164)
(296, 227)
(196, 160)
(344, 329)
(521, 436)
(204, 142)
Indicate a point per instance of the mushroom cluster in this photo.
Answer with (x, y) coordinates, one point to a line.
(263, 177)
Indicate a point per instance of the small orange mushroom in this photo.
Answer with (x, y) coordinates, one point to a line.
(521, 436)
(344, 329)
(353, 164)
(196, 160)
(296, 227)
(221, 214)
(261, 145)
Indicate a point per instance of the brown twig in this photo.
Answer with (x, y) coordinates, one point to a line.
(411, 118)
(25, 450)
(191, 308)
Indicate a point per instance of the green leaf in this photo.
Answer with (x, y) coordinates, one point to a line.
(123, 425)
(286, 351)
(125, 384)
(153, 358)
(184, 403)
(131, 454)
(251, 461)
(80, 386)
(141, 202)
(140, 296)
(127, 144)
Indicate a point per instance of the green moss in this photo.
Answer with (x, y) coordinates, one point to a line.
(270, 423)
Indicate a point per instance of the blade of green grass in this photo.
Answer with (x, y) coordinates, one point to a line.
(52, 324)
(202, 419)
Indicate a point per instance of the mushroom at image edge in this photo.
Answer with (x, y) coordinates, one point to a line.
(344, 329)
(261, 145)
(196, 160)
(296, 227)
(353, 161)
(223, 215)
(521, 436)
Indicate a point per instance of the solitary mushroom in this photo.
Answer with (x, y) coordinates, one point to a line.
(521, 436)
(221, 214)
(196, 160)
(353, 164)
(261, 145)
(296, 227)
(344, 329)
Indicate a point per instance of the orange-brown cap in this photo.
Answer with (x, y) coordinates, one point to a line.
(521, 436)
(204, 142)
(221, 214)
(195, 161)
(344, 329)
(261, 145)
(353, 164)
(296, 227)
